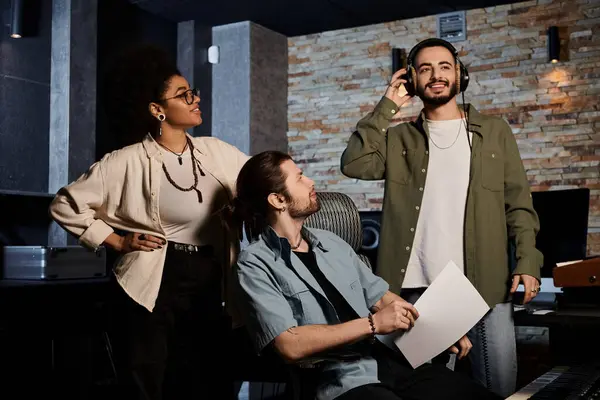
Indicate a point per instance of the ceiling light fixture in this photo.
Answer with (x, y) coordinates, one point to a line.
(16, 21)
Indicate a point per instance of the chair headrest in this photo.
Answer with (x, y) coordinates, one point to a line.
(338, 214)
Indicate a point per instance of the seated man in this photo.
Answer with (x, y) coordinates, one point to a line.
(304, 292)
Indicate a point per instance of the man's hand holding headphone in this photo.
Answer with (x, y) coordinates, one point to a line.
(396, 90)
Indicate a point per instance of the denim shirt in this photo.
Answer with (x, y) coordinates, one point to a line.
(275, 291)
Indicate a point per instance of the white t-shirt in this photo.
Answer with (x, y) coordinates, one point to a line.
(439, 235)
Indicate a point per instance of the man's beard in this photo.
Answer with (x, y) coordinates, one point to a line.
(436, 100)
(297, 211)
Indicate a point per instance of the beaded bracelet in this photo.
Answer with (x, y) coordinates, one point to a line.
(372, 338)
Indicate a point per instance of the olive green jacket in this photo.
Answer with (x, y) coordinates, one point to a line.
(498, 208)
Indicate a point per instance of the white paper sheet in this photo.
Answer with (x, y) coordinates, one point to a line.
(448, 309)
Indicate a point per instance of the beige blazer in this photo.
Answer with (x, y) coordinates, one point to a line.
(121, 192)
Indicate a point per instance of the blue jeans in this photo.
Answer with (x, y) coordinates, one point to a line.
(494, 354)
(493, 357)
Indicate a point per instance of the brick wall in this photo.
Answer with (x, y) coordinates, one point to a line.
(337, 77)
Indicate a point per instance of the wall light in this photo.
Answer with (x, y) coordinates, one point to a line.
(213, 54)
(553, 45)
(398, 59)
(16, 21)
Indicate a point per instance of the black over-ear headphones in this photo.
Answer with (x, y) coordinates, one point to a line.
(462, 75)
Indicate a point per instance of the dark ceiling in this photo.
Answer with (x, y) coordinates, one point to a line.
(300, 17)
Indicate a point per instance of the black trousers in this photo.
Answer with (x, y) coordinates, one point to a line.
(429, 382)
(178, 350)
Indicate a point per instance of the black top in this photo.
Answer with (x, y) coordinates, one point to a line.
(344, 311)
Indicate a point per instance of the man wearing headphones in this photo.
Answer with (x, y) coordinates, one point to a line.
(455, 190)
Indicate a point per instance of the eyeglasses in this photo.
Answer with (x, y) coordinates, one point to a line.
(188, 96)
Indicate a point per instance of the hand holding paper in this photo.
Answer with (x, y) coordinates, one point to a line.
(462, 348)
(398, 315)
(448, 309)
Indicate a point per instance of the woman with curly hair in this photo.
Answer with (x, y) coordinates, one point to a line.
(158, 203)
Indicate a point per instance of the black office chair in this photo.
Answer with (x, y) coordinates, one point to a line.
(338, 214)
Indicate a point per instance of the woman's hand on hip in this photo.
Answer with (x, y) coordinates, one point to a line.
(140, 242)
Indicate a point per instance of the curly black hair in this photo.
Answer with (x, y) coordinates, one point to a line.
(133, 79)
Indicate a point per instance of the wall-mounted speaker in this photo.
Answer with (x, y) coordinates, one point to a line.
(371, 231)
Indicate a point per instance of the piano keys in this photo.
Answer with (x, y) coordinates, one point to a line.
(564, 383)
